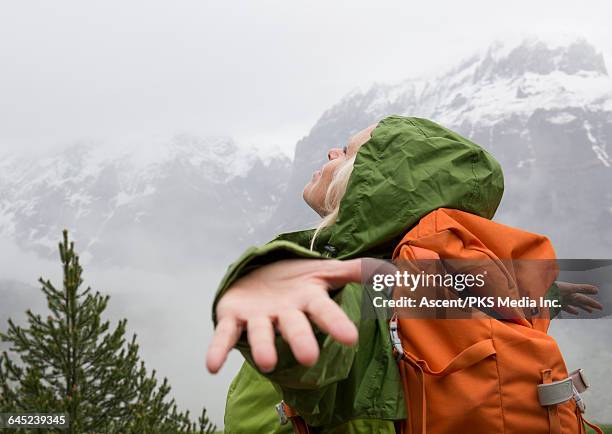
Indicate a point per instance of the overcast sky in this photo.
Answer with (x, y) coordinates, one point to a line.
(259, 71)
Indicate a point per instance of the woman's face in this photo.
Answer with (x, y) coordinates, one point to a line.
(315, 191)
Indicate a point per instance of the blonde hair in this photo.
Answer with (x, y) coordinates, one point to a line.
(333, 197)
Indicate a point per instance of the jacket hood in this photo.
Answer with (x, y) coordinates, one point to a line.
(408, 168)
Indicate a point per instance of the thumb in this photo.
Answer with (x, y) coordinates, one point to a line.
(337, 273)
(360, 270)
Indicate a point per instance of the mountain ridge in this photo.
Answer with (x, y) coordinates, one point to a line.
(552, 93)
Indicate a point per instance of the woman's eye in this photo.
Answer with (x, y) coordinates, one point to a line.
(344, 150)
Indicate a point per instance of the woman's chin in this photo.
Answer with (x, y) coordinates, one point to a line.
(306, 193)
(308, 198)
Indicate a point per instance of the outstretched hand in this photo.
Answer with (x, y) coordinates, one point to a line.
(284, 295)
(575, 295)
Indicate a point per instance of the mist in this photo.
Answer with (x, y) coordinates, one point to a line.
(261, 72)
(167, 138)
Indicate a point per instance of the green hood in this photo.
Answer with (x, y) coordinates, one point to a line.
(409, 167)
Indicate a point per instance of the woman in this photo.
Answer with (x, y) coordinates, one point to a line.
(341, 378)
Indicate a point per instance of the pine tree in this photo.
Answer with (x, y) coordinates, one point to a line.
(72, 362)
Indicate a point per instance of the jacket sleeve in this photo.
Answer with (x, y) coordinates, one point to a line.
(255, 257)
(289, 374)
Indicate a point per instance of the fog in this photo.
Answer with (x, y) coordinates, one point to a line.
(112, 74)
(261, 72)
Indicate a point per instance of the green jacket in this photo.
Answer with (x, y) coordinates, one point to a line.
(408, 168)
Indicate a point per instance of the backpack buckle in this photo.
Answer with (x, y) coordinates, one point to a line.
(395, 339)
(282, 414)
(579, 401)
(580, 383)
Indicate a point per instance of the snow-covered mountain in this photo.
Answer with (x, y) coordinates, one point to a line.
(543, 109)
(186, 200)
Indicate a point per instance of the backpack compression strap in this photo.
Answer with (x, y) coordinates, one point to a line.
(560, 391)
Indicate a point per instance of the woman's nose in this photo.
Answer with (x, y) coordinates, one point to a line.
(334, 153)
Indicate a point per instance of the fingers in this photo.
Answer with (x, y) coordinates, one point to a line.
(574, 295)
(573, 288)
(225, 337)
(260, 334)
(584, 288)
(297, 331)
(570, 309)
(311, 280)
(586, 303)
(324, 312)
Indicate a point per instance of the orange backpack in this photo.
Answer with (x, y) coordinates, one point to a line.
(481, 375)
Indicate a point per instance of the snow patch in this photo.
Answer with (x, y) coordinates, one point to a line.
(600, 151)
(602, 155)
(562, 118)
